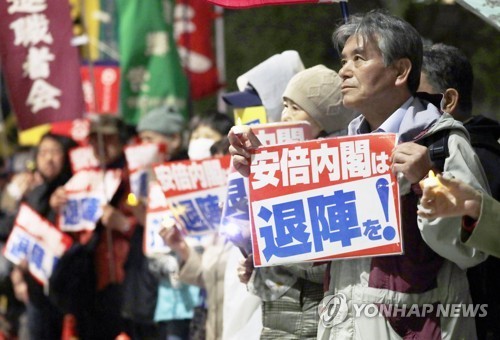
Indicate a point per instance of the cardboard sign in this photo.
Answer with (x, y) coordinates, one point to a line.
(194, 190)
(157, 212)
(235, 214)
(82, 158)
(324, 199)
(37, 241)
(87, 191)
(282, 132)
(140, 158)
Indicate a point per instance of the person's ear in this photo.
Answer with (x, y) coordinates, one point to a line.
(450, 98)
(403, 67)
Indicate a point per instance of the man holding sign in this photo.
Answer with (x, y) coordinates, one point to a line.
(381, 58)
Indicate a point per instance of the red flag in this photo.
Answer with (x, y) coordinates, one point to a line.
(77, 129)
(101, 92)
(257, 3)
(40, 66)
(193, 31)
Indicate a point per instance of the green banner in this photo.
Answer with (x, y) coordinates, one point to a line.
(152, 74)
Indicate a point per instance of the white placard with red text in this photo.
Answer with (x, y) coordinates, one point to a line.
(140, 158)
(87, 191)
(324, 199)
(236, 210)
(194, 190)
(82, 157)
(157, 212)
(37, 241)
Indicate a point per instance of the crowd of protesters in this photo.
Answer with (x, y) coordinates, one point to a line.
(187, 293)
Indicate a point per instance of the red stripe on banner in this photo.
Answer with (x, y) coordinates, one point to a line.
(257, 3)
(40, 66)
(194, 34)
(101, 88)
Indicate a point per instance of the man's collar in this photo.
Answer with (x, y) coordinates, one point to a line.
(392, 123)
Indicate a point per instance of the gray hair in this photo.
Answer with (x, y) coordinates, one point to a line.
(447, 67)
(395, 38)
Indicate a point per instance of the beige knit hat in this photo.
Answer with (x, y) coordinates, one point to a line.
(317, 91)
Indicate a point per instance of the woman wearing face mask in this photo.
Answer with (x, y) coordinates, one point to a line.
(205, 131)
(204, 270)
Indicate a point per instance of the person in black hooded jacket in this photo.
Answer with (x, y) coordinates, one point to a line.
(53, 169)
(447, 71)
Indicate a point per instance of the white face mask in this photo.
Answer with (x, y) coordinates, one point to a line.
(200, 148)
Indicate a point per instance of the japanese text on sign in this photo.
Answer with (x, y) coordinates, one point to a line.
(32, 31)
(193, 190)
(86, 192)
(185, 176)
(299, 165)
(236, 210)
(344, 201)
(37, 241)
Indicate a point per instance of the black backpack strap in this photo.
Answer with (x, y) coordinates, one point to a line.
(437, 144)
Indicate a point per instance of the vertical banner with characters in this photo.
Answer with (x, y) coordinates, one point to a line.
(194, 190)
(37, 241)
(87, 191)
(152, 74)
(324, 199)
(101, 88)
(194, 34)
(40, 66)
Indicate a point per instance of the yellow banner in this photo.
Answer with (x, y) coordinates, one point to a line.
(31, 137)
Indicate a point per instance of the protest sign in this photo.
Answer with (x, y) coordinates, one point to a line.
(37, 241)
(282, 132)
(82, 157)
(157, 214)
(193, 190)
(324, 199)
(140, 158)
(87, 191)
(235, 214)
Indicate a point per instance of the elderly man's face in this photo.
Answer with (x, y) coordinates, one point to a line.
(366, 80)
